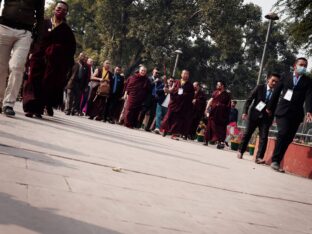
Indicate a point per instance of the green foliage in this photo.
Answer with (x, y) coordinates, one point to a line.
(299, 16)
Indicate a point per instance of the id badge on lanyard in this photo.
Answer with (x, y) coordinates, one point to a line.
(288, 95)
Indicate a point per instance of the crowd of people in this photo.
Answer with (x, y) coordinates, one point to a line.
(162, 105)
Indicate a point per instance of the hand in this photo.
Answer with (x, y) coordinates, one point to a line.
(244, 117)
(194, 101)
(166, 90)
(309, 117)
(268, 112)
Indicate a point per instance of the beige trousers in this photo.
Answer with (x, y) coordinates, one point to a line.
(14, 49)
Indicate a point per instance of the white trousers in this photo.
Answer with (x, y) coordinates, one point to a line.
(14, 49)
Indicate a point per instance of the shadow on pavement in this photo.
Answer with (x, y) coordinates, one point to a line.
(125, 141)
(32, 155)
(45, 221)
(40, 143)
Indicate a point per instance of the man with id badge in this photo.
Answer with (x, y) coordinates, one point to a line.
(258, 116)
(289, 97)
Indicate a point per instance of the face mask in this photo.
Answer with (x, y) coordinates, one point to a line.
(301, 70)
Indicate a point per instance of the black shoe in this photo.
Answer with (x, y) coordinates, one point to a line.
(275, 166)
(220, 146)
(49, 111)
(67, 113)
(260, 161)
(239, 155)
(164, 133)
(206, 143)
(184, 138)
(29, 114)
(8, 111)
(0, 110)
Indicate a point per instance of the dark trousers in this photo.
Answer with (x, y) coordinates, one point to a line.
(72, 104)
(264, 126)
(113, 108)
(287, 127)
(151, 111)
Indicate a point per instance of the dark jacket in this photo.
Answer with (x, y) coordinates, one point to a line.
(158, 92)
(79, 75)
(258, 94)
(22, 14)
(302, 92)
(119, 86)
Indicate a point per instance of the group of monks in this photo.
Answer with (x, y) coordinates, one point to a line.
(164, 106)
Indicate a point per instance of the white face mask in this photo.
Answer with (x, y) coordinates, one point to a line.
(301, 70)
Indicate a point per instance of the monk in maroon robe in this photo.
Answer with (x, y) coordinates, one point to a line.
(97, 104)
(199, 105)
(51, 59)
(176, 121)
(218, 109)
(138, 87)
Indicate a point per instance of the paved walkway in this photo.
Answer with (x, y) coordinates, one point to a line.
(68, 174)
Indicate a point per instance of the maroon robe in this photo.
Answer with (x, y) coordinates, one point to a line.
(52, 57)
(96, 103)
(177, 119)
(137, 90)
(198, 111)
(218, 117)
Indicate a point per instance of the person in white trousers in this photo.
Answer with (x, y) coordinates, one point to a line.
(18, 21)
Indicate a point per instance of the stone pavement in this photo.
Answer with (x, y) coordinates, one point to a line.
(68, 174)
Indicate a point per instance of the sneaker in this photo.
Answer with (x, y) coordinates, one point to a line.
(8, 111)
(157, 131)
(275, 166)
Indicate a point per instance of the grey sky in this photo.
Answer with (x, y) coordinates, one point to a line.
(266, 5)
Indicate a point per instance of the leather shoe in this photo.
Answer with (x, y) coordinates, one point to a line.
(260, 161)
(29, 114)
(239, 155)
(275, 166)
(174, 137)
(8, 111)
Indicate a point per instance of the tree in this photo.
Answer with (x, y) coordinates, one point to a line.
(299, 16)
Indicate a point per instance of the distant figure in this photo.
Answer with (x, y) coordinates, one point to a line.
(52, 57)
(79, 77)
(233, 112)
(199, 104)
(115, 99)
(180, 108)
(137, 89)
(97, 102)
(219, 111)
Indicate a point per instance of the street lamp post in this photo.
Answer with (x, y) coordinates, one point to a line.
(271, 17)
(178, 52)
